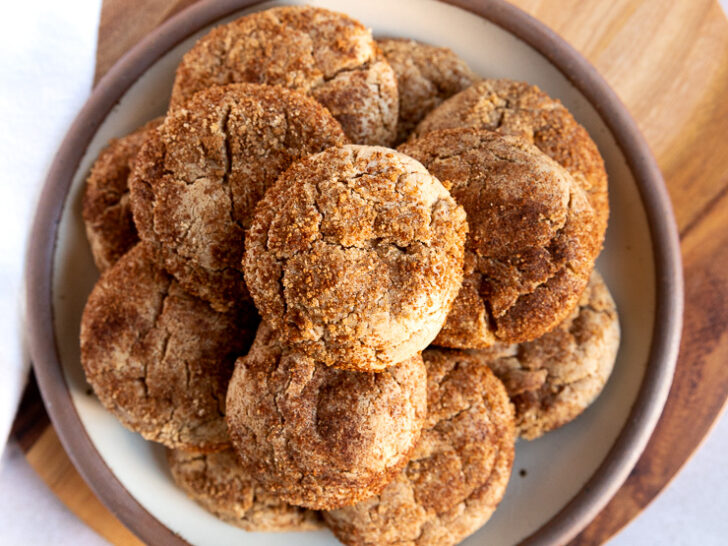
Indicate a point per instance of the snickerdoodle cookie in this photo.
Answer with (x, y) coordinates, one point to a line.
(318, 436)
(459, 470)
(355, 256)
(218, 483)
(553, 379)
(199, 176)
(159, 359)
(532, 241)
(426, 75)
(106, 211)
(517, 108)
(326, 55)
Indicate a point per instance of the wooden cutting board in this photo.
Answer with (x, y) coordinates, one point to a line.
(668, 62)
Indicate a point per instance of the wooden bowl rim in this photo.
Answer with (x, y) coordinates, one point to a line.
(653, 392)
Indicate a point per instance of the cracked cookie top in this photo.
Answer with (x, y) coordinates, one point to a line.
(517, 108)
(426, 75)
(106, 210)
(318, 436)
(219, 484)
(553, 379)
(160, 359)
(532, 240)
(459, 470)
(327, 55)
(199, 176)
(355, 256)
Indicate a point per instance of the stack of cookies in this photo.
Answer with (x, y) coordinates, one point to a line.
(323, 329)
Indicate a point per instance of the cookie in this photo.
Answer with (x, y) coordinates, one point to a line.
(317, 436)
(217, 482)
(426, 76)
(326, 55)
(106, 211)
(532, 241)
(459, 470)
(355, 256)
(160, 359)
(553, 379)
(517, 108)
(199, 176)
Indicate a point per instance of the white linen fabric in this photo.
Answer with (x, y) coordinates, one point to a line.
(30, 513)
(47, 53)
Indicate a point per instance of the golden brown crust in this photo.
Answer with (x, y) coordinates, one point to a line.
(324, 54)
(517, 108)
(459, 470)
(355, 256)
(199, 176)
(159, 359)
(106, 210)
(532, 240)
(218, 483)
(317, 436)
(426, 76)
(553, 379)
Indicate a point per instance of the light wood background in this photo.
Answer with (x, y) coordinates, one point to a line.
(668, 62)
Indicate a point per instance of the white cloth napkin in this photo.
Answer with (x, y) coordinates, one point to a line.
(47, 55)
(31, 514)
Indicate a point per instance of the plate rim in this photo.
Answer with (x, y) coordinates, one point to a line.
(653, 391)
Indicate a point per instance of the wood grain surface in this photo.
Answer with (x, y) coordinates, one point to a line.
(668, 62)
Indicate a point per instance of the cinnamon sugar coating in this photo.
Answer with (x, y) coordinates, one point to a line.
(106, 210)
(159, 359)
(554, 378)
(218, 483)
(317, 436)
(355, 256)
(327, 55)
(517, 108)
(532, 241)
(199, 176)
(459, 470)
(426, 76)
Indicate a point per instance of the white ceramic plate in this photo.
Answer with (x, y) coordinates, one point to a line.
(547, 472)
